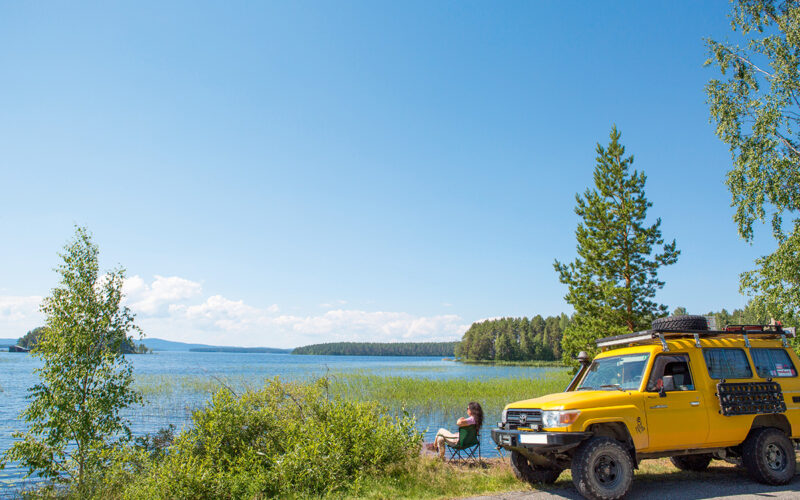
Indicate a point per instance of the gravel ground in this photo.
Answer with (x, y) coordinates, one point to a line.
(725, 482)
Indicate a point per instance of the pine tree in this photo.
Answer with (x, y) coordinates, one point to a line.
(504, 349)
(614, 279)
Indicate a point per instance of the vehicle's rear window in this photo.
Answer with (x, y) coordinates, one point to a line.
(727, 363)
(773, 363)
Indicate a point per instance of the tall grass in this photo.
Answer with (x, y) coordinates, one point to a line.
(435, 395)
(393, 391)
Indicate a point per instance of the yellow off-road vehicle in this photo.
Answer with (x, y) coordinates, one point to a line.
(679, 390)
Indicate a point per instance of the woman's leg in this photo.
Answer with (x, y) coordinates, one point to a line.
(444, 436)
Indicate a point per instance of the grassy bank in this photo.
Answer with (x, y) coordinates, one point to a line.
(534, 363)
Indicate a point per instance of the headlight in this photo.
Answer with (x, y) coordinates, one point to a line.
(504, 415)
(559, 418)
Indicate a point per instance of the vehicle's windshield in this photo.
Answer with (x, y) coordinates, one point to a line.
(617, 372)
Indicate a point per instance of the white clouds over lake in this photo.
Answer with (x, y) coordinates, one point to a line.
(176, 308)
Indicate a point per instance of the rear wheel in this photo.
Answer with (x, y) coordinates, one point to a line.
(768, 456)
(534, 474)
(602, 469)
(695, 463)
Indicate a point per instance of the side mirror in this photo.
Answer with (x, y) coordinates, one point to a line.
(583, 358)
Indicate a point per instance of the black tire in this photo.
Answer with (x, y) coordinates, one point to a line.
(696, 463)
(534, 474)
(768, 456)
(678, 323)
(602, 469)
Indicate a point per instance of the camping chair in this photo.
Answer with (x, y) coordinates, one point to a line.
(468, 442)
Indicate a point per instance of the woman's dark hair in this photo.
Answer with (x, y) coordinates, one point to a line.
(477, 413)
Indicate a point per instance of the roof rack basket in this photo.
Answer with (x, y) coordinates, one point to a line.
(656, 335)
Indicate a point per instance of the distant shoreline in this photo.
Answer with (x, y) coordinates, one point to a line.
(261, 350)
(427, 349)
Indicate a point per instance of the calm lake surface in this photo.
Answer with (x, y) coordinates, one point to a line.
(169, 380)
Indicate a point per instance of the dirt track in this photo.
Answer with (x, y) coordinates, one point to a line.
(719, 482)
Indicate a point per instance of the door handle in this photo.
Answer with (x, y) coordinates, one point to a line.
(658, 407)
(695, 403)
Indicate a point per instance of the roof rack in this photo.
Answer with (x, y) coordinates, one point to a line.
(760, 331)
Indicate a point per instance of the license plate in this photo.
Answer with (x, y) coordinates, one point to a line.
(533, 438)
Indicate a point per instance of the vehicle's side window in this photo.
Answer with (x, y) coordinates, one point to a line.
(727, 363)
(672, 370)
(772, 363)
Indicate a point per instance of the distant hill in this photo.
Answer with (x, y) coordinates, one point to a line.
(8, 342)
(169, 345)
(444, 349)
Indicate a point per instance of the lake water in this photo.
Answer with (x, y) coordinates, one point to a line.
(176, 404)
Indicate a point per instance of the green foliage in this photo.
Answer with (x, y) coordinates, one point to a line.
(31, 338)
(285, 439)
(754, 313)
(84, 381)
(614, 279)
(514, 339)
(756, 108)
(380, 349)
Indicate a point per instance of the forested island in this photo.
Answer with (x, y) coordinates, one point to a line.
(128, 346)
(444, 349)
(514, 339)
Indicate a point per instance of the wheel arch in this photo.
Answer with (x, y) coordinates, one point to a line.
(618, 431)
(776, 420)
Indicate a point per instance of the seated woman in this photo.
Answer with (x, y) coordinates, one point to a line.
(443, 437)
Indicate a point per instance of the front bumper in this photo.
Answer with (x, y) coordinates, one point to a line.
(538, 441)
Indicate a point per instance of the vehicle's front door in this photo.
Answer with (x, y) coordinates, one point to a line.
(676, 416)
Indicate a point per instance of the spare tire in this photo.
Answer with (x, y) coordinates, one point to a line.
(687, 322)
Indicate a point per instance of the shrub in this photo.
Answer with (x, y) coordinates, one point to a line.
(286, 439)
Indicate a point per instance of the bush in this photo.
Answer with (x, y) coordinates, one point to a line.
(286, 439)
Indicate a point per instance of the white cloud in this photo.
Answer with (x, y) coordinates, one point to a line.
(175, 308)
(377, 326)
(18, 314)
(155, 299)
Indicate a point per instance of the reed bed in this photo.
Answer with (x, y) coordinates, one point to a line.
(434, 395)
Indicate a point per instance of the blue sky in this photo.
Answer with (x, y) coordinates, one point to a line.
(284, 173)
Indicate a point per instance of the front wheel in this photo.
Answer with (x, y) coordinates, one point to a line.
(768, 456)
(602, 469)
(534, 474)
